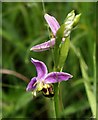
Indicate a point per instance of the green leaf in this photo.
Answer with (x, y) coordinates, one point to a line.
(87, 82)
(64, 52)
(61, 49)
(88, 87)
(59, 36)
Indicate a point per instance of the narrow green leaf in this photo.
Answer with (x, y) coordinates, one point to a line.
(64, 52)
(87, 81)
(88, 87)
(94, 63)
(60, 34)
(59, 37)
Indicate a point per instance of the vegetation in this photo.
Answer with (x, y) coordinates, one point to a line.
(23, 26)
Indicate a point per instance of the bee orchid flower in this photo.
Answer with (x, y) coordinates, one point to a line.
(54, 26)
(43, 81)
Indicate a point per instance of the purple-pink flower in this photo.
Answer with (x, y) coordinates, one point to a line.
(54, 26)
(44, 78)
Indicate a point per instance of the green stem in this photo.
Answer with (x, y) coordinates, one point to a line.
(56, 99)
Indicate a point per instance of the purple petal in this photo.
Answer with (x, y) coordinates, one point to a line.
(54, 77)
(41, 69)
(53, 23)
(32, 84)
(44, 46)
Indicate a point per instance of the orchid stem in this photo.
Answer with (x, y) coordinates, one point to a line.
(56, 99)
(56, 85)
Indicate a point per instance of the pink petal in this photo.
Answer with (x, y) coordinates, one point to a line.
(41, 69)
(54, 77)
(53, 23)
(44, 46)
(32, 84)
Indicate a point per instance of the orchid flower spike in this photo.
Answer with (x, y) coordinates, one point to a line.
(70, 21)
(43, 81)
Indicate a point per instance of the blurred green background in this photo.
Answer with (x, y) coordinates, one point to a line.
(23, 25)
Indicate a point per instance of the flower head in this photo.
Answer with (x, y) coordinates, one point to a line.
(70, 21)
(54, 26)
(44, 80)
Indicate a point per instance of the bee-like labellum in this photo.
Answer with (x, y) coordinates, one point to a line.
(48, 90)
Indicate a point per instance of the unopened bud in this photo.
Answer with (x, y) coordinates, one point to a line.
(76, 19)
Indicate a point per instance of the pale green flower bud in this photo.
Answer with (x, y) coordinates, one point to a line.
(76, 19)
(69, 23)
